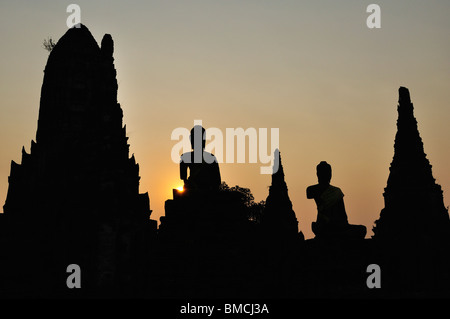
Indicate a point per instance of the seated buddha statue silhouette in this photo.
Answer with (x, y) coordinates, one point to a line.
(204, 173)
(331, 215)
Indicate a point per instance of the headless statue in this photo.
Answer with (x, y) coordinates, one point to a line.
(331, 215)
(204, 173)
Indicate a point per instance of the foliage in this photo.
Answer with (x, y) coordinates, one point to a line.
(48, 44)
(253, 210)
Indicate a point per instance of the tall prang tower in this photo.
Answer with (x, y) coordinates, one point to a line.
(412, 235)
(75, 197)
(278, 217)
(414, 205)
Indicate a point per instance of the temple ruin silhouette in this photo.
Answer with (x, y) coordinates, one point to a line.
(74, 199)
(413, 231)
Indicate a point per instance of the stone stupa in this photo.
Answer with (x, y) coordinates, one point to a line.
(414, 205)
(412, 235)
(75, 197)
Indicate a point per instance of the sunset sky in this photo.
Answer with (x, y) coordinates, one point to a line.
(313, 69)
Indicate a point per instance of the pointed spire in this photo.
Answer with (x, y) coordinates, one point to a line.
(413, 201)
(278, 172)
(107, 46)
(409, 167)
(278, 214)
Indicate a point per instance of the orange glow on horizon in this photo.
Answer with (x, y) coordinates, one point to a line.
(330, 87)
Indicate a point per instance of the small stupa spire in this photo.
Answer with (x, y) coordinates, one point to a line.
(278, 214)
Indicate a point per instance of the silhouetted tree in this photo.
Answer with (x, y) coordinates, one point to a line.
(254, 210)
(48, 44)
